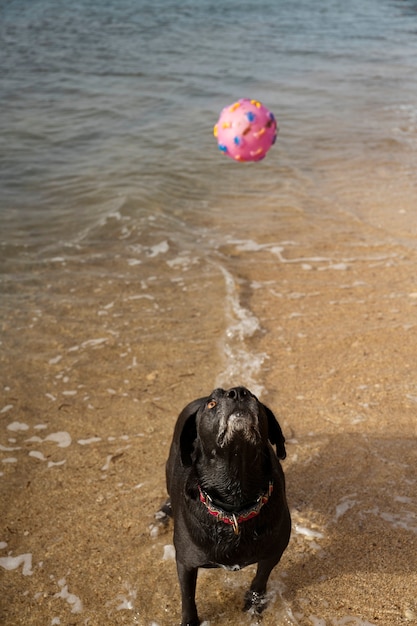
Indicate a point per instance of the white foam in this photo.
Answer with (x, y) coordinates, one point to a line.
(285, 617)
(86, 442)
(343, 507)
(17, 426)
(3, 545)
(406, 519)
(145, 296)
(169, 553)
(107, 463)
(9, 459)
(127, 601)
(350, 620)
(159, 248)
(37, 455)
(183, 261)
(248, 245)
(358, 419)
(53, 464)
(403, 499)
(336, 266)
(89, 343)
(34, 439)
(126, 604)
(55, 359)
(244, 323)
(71, 598)
(62, 439)
(241, 366)
(13, 562)
(9, 449)
(7, 408)
(308, 532)
(154, 530)
(278, 249)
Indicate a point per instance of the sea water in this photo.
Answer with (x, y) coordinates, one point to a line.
(108, 109)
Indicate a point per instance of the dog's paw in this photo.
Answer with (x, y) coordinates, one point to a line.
(255, 602)
(161, 519)
(165, 511)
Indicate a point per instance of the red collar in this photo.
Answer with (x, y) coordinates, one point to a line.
(234, 519)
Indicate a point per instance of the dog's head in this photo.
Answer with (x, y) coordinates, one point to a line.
(228, 417)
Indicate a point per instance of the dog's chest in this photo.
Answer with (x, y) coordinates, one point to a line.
(223, 548)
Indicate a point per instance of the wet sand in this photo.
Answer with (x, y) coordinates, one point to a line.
(340, 374)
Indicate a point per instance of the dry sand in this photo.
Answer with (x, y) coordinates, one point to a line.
(342, 378)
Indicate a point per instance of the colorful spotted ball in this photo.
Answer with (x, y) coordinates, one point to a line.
(246, 130)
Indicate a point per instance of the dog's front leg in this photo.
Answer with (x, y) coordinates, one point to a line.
(255, 597)
(188, 581)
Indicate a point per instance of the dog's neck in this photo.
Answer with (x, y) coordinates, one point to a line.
(237, 477)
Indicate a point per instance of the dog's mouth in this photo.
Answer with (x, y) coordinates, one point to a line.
(238, 424)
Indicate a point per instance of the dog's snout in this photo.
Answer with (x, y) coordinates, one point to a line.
(238, 393)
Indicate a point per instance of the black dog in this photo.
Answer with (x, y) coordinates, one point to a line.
(226, 492)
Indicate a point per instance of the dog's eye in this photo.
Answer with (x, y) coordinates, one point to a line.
(211, 404)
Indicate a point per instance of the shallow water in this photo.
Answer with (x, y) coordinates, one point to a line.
(108, 109)
(140, 268)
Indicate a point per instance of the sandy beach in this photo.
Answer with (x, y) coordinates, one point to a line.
(86, 425)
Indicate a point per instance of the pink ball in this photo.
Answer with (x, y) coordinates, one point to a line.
(246, 130)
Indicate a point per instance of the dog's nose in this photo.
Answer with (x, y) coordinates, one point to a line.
(238, 393)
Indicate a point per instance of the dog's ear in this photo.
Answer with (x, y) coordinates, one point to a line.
(187, 438)
(187, 427)
(275, 435)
